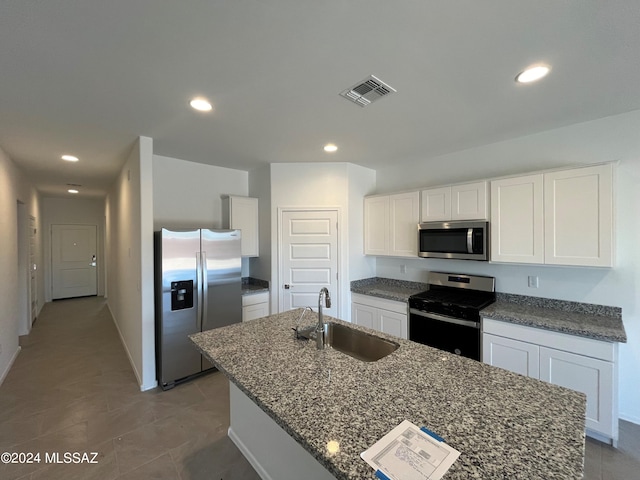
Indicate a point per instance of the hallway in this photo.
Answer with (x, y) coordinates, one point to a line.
(72, 389)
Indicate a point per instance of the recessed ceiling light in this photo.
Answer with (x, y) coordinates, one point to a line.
(533, 73)
(201, 104)
(72, 190)
(330, 147)
(69, 158)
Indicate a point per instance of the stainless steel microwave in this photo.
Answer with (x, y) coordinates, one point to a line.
(465, 240)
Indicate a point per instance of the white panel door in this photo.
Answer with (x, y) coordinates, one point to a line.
(393, 323)
(365, 316)
(244, 217)
(590, 376)
(579, 216)
(513, 355)
(404, 215)
(376, 225)
(73, 261)
(469, 201)
(33, 268)
(517, 220)
(435, 204)
(309, 258)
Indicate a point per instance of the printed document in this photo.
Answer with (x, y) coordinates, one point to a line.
(408, 453)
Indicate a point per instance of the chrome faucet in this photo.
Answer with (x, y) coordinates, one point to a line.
(320, 332)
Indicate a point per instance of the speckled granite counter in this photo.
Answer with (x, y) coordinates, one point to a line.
(585, 320)
(505, 425)
(388, 288)
(252, 285)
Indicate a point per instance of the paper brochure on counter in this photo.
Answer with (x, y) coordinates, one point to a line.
(410, 453)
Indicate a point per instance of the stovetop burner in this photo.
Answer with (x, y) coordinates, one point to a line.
(455, 296)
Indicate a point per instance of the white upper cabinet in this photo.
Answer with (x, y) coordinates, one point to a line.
(241, 213)
(467, 201)
(404, 214)
(376, 225)
(578, 214)
(391, 224)
(517, 220)
(436, 204)
(558, 218)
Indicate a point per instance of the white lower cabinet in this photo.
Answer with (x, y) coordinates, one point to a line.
(255, 306)
(581, 364)
(386, 316)
(512, 355)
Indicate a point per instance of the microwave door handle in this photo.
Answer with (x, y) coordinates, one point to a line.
(470, 240)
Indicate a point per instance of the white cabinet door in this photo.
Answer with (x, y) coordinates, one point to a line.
(435, 204)
(517, 220)
(243, 215)
(364, 315)
(590, 376)
(579, 216)
(469, 201)
(376, 225)
(513, 355)
(252, 312)
(393, 323)
(404, 216)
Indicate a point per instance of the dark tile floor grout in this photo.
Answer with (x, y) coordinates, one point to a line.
(72, 389)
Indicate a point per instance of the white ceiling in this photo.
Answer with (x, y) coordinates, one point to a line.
(87, 77)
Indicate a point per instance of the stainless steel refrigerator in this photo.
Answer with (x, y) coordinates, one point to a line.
(197, 287)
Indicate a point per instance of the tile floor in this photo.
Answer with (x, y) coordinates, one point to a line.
(72, 389)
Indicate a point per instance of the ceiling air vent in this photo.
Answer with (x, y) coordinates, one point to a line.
(367, 91)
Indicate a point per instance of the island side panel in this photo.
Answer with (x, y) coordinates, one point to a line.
(270, 450)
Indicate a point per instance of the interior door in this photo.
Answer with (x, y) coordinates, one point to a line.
(309, 258)
(73, 261)
(33, 268)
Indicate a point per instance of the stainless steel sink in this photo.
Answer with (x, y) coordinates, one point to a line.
(358, 344)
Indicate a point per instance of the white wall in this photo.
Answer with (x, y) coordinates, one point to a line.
(188, 194)
(323, 185)
(72, 211)
(609, 139)
(260, 188)
(13, 189)
(129, 229)
(361, 183)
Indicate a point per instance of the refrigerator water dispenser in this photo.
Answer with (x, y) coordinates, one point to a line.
(181, 295)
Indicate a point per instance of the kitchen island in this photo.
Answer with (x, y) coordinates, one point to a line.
(335, 407)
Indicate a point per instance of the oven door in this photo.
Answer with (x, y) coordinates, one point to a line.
(461, 337)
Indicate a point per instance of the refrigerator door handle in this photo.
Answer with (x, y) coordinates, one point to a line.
(199, 289)
(205, 289)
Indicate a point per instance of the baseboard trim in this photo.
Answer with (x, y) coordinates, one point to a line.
(11, 362)
(248, 455)
(629, 418)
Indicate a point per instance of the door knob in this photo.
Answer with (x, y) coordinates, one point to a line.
(287, 286)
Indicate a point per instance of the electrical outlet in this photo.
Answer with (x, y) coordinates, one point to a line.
(403, 269)
(533, 281)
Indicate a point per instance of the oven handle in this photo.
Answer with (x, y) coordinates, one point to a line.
(435, 316)
(470, 240)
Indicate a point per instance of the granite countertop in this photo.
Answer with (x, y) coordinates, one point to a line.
(598, 322)
(252, 286)
(388, 288)
(506, 425)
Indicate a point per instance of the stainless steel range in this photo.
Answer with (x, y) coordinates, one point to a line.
(447, 316)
